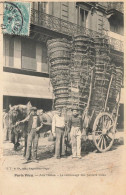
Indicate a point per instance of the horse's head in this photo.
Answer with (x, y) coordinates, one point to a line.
(13, 113)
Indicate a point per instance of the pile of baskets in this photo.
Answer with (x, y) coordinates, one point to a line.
(71, 65)
(70, 68)
(102, 74)
(59, 60)
(82, 59)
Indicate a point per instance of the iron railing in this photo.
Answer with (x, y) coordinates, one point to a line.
(68, 28)
(59, 25)
(116, 44)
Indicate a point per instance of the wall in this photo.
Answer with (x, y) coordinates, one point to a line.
(56, 9)
(72, 12)
(64, 10)
(92, 21)
(97, 21)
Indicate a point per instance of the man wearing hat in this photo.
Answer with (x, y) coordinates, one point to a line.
(58, 129)
(75, 129)
(34, 125)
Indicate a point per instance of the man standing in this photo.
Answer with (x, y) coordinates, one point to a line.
(6, 125)
(58, 129)
(14, 130)
(75, 129)
(86, 121)
(34, 125)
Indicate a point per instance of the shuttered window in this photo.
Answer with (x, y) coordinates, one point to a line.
(83, 17)
(82, 14)
(28, 54)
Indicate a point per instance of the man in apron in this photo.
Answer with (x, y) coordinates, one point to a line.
(58, 129)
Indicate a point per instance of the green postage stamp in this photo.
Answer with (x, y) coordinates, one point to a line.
(16, 18)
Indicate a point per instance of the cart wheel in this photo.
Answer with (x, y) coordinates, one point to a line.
(103, 132)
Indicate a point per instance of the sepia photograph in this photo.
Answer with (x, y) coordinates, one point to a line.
(63, 89)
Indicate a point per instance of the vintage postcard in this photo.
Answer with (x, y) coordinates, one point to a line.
(62, 98)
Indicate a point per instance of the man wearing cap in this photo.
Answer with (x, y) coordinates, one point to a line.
(75, 129)
(58, 129)
(34, 125)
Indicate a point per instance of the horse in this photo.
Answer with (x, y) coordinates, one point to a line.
(20, 112)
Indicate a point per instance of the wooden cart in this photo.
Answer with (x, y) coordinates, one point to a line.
(104, 124)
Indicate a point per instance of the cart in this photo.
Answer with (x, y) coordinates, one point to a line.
(104, 124)
(86, 61)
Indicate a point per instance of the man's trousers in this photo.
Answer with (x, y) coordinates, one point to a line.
(33, 138)
(6, 133)
(76, 141)
(60, 145)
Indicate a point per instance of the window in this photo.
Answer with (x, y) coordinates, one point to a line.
(28, 55)
(40, 6)
(82, 13)
(83, 17)
(39, 16)
(8, 50)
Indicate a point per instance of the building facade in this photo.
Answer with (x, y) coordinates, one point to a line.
(25, 68)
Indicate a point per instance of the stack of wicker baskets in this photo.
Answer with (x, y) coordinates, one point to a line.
(59, 60)
(71, 65)
(101, 76)
(82, 59)
(70, 68)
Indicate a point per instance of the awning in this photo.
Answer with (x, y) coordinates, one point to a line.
(26, 86)
(31, 86)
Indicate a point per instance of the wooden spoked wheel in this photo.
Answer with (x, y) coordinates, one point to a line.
(103, 132)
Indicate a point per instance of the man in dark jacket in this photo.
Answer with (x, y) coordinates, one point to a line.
(75, 129)
(15, 131)
(34, 125)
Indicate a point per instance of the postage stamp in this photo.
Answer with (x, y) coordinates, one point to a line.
(16, 19)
